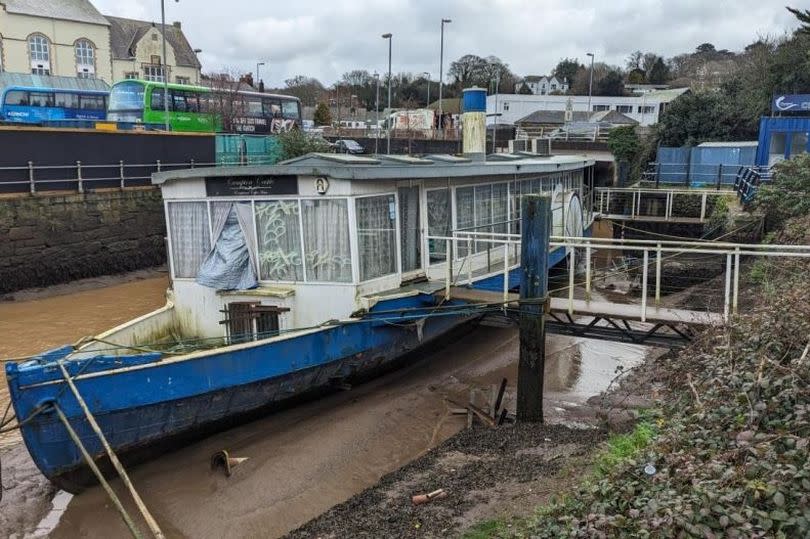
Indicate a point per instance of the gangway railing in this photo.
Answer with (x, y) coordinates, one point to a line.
(748, 181)
(648, 204)
(652, 255)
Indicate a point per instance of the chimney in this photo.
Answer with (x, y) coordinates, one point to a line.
(474, 123)
(177, 25)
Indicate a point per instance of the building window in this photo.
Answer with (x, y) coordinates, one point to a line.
(154, 37)
(624, 109)
(131, 75)
(154, 73)
(182, 80)
(648, 109)
(506, 106)
(39, 51)
(85, 59)
(600, 108)
(376, 236)
(327, 255)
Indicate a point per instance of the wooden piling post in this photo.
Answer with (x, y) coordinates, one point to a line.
(535, 230)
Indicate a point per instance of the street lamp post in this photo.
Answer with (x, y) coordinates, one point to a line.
(495, 125)
(590, 84)
(427, 73)
(377, 115)
(258, 78)
(163, 66)
(441, 69)
(388, 36)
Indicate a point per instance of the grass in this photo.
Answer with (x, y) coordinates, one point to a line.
(621, 447)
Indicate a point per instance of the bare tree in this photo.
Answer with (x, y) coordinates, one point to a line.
(224, 101)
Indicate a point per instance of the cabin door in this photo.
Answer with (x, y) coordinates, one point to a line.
(410, 231)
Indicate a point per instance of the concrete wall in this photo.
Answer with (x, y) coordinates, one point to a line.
(52, 239)
(62, 35)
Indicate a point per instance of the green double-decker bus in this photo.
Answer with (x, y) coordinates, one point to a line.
(201, 109)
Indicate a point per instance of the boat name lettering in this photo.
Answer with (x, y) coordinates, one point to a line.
(251, 185)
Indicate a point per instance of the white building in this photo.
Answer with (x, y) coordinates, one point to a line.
(71, 38)
(543, 85)
(645, 109)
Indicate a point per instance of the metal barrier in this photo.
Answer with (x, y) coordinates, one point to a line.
(648, 204)
(692, 174)
(748, 181)
(652, 255)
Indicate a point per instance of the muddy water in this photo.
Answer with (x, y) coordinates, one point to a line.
(303, 460)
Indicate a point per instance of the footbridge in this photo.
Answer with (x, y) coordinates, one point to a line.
(612, 289)
(665, 204)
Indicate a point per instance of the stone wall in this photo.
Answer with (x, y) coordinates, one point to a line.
(49, 239)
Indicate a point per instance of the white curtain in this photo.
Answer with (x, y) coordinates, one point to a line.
(326, 240)
(376, 236)
(411, 248)
(438, 214)
(465, 215)
(279, 240)
(188, 226)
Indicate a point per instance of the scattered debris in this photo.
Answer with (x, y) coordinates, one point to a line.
(419, 499)
(221, 459)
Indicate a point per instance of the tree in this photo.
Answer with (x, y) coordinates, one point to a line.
(804, 19)
(308, 89)
(636, 76)
(469, 70)
(524, 89)
(322, 116)
(648, 61)
(705, 48)
(695, 118)
(225, 103)
(624, 143)
(634, 60)
(788, 194)
(611, 84)
(659, 72)
(295, 143)
(567, 68)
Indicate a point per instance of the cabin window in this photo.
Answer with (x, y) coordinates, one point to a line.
(249, 321)
(438, 214)
(189, 237)
(376, 236)
(279, 228)
(326, 240)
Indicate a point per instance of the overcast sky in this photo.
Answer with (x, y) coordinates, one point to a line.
(325, 38)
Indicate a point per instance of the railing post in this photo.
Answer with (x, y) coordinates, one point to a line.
(121, 173)
(646, 265)
(719, 175)
(588, 271)
(505, 273)
(158, 165)
(192, 162)
(727, 296)
(448, 272)
(657, 174)
(79, 176)
(469, 260)
(32, 183)
(571, 271)
(736, 280)
(658, 274)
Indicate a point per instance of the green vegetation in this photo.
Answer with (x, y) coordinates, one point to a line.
(788, 195)
(295, 143)
(322, 116)
(624, 143)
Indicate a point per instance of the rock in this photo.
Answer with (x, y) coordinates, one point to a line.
(745, 437)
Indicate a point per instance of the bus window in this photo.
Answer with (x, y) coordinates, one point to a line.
(126, 96)
(179, 101)
(17, 97)
(67, 100)
(254, 108)
(290, 109)
(41, 99)
(272, 108)
(193, 102)
(91, 102)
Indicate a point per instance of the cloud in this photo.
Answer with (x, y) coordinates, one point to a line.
(324, 38)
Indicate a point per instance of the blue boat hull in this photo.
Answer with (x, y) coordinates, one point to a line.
(145, 404)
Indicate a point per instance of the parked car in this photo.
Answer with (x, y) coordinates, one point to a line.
(348, 146)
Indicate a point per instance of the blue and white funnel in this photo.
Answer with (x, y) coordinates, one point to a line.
(474, 122)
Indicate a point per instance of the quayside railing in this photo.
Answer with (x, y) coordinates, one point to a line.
(649, 204)
(650, 253)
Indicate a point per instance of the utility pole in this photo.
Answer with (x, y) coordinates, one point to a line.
(590, 85)
(389, 37)
(163, 66)
(441, 70)
(428, 87)
(495, 125)
(258, 78)
(535, 228)
(377, 115)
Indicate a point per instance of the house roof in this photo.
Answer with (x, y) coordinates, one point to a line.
(450, 105)
(125, 34)
(552, 117)
(612, 117)
(69, 10)
(665, 96)
(49, 81)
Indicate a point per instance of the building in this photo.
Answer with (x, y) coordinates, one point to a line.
(542, 85)
(137, 50)
(645, 109)
(71, 38)
(638, 89)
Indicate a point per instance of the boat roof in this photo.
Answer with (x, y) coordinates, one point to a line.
(391, 167)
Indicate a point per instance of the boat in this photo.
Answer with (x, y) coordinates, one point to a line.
(286, 281)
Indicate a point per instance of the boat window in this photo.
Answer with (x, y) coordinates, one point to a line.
(465, 215)
(500, 208)
(279, 241)
(438, 213)
(326, 240)
(189, 236)
(376, 236)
